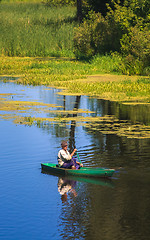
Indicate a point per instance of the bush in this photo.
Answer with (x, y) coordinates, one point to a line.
(96, 35)
(135, 47)
(124, 29)
(133, 21)
(82, 41)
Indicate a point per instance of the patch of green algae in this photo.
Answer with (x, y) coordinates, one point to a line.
(79, 78)
(105, 125)
(10, 105)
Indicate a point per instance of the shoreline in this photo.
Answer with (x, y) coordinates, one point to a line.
(75, 77)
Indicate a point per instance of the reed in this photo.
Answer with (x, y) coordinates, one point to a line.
(33, 29)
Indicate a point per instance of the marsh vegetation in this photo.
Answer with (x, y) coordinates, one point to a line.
(37, 44)
(33, 29)
(96, 78)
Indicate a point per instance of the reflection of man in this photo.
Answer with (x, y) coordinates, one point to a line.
(65, 186)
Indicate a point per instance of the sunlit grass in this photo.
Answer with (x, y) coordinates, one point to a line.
(33, 29)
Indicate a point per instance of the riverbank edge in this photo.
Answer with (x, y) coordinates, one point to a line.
(103, 85)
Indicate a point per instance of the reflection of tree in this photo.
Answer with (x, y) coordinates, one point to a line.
(134, 113)
(64, 100)
(115, 151)
(73, 125)
(62, 128)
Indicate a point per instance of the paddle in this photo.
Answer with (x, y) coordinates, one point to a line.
(78, 157)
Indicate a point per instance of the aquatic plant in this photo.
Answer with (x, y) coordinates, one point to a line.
(79, 77)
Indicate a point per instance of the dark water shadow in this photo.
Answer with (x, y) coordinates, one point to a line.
(132, 111)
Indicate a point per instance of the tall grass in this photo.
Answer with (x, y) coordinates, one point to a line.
(33, 29)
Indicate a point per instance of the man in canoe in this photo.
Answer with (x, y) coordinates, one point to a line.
(65, 159)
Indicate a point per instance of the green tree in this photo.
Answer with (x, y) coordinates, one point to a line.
(133, 23)
(125, 29)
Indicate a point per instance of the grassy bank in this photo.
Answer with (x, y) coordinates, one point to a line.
(72, 75)
(33, 29)
(32, 34)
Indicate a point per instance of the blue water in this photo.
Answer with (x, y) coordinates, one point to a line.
(31, 206)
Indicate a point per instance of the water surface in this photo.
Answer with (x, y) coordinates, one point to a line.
(31, 204)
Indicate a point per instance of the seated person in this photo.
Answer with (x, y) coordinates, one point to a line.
(65, 159)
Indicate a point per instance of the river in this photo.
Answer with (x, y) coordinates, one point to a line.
(31, 203)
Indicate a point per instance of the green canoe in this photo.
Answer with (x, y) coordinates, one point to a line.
(84, 171)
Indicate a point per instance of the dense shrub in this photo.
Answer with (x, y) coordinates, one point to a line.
(135, 47)
(96, 35)
(133, 20)
(124, 29)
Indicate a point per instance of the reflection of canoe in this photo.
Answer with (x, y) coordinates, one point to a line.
(105, 182)
(84, 171)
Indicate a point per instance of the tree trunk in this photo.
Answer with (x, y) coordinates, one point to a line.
(79, 10)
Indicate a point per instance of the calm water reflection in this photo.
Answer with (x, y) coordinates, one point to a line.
(31, 205)
(133, 112)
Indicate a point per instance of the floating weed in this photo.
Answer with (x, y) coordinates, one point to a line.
(122, 129)
(8, 105)
(104, 125)
(5, 95)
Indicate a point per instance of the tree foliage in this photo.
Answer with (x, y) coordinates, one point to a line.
(96, 35)
(125, 29)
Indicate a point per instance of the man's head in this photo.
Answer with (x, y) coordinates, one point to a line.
(64, 144)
